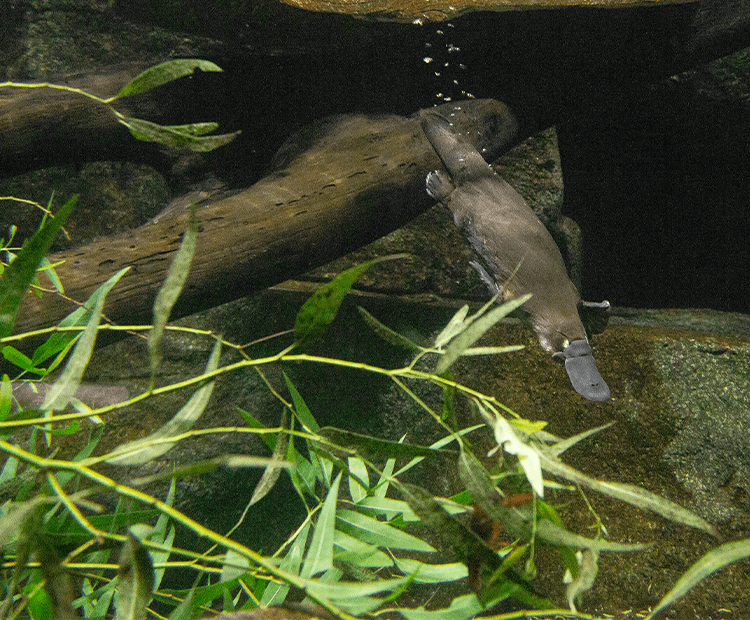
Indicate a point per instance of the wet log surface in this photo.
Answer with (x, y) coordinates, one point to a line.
(351, 180)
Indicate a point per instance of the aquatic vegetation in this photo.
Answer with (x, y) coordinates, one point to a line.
(362, 542)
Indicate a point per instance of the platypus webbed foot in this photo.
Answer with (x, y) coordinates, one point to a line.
(582, 371)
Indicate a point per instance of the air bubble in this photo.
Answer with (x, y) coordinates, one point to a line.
(427, 60)
(439, 32)
(453, 48)
(418, 21)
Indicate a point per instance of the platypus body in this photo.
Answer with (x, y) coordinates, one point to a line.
(518, 252)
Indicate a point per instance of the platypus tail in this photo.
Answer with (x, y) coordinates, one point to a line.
(460, 158)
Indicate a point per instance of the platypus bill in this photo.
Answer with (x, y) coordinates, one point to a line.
(519, 253)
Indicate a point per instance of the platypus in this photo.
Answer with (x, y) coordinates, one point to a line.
(518, 252)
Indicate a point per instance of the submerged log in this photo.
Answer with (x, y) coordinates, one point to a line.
(350, 179)
(546, 64)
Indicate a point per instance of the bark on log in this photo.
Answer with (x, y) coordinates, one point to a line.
(358, 178)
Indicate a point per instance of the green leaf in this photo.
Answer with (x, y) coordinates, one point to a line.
(199, 468)
(377, 532)
(358, 552)
(6, 400)
(432, 573)
(359, 469)
(564, 444)
(343, 590)
(320, 555)
(272, 472)
(474, 332)
(707, 565)
(388, 507)
(171, 288)
(18, 276)
(370, 447)
(156, 444)
(300, 408)
(275, 592)
(320, 310)
(508, 440)
(235, 565)
(135, 580)
(478, 481)
(65, 387)
(461, 608)
(625, 492)
(15, 357)
(387, 334)
(454, 327)
(556, 535)
(164, 73)
(177, 136)
(15, 516)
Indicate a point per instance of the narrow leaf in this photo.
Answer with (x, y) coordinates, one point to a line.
(235, 565)
(60, 341)
(275, 592)
(386, 333)
(176, 136)
(156, 444)
(707, 565)
(453, 328)
(320, 555)
(320, 310)
(203, 467)
(370, 447)
(556, 535)
(432, 573)
(461, 608)
(135, 577)
(6, 400)
(358, 552)
(343, 590)
(272, 472)
(492, 350)
(478, 481)
(163, 73)
(359, 469)
(15, 357)
(475, 331)
(300, 408)
(625, 492)
(17, 276)
(378, 533)
(171, 289)
(564, 444)
(15, 515)
(65, 387)
(507, 439)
